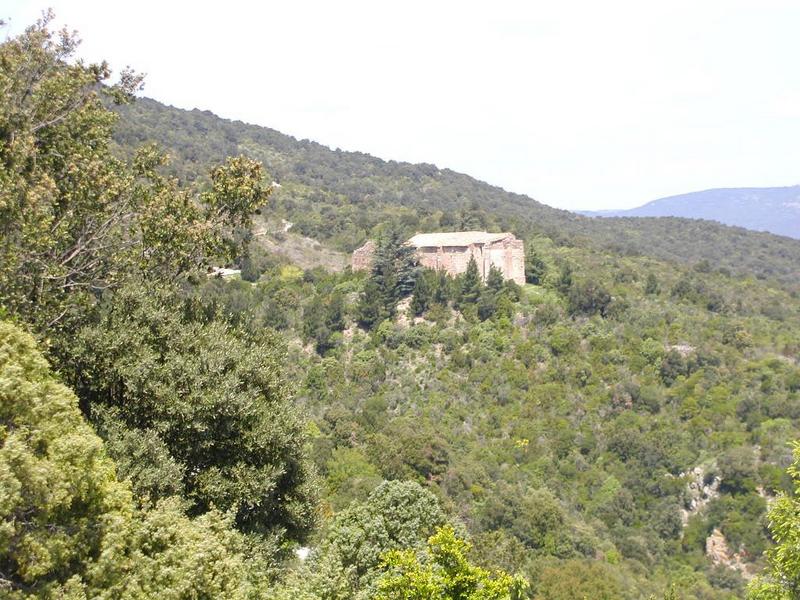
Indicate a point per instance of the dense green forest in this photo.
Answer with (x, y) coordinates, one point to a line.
(339, 197)
(621, 426)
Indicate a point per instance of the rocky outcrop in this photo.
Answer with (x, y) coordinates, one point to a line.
(720, 553)
(699, 492)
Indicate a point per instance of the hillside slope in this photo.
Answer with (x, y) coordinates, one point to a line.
(592, 432)
(337, 197)
(775, 209)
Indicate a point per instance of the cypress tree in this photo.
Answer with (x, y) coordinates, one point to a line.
(487, 304)
(334, 312)
(441, 291)
(370, 309)
(421, 299)
(407, 271)
(535, 267)
(384, 272)
(471, 283)
(495, 280)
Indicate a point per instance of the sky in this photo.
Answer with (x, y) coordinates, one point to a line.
(579, 104)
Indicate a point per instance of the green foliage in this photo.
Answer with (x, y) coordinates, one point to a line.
(577, 579)
(69, 529)
(342, 197)
(588, 298)
(60, 503)
(349, 476)
(141, 457)
(564, 283)
(323, 319)
(166, 554)
(471, 284)
(535, 267)
(534, 517)
(651, 286)
(371, 308)
(737, 468)
(74, 219)
(423, 294)
(782, 579)
(444, 572)
(212, 404)
(396, 515)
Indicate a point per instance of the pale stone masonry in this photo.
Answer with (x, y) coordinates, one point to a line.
(362, 257)
(451, 252)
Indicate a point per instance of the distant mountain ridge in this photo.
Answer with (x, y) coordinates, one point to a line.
(772, 209)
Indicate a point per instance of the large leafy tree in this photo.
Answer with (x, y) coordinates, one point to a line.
(93, 253)
(208, 408)
(59, 499)
(75, 220)
(346, 565)
(70, 529)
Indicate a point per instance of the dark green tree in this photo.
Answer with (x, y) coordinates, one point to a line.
(393, 276)
(492, 295)
(651, 286)
(335, 312)
(564, 278)
(423, 295)
(471, 283)
(442, 292)
(322, 318)
(407, 271)
(588, 298)
(70, 529)
(535, 267)
(487, 303)
(371, 308)
(217, 402)
(495, 280)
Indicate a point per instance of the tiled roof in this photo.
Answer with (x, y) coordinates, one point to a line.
(455, 238)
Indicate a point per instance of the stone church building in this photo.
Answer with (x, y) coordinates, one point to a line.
(452, 251)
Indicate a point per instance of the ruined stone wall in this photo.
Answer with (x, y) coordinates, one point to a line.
(507, 254)
(452, 259)
(363, 256)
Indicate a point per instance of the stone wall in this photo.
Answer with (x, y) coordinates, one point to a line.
(507, 253)
(362, 257)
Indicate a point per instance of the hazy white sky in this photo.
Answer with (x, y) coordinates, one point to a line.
(580, 104)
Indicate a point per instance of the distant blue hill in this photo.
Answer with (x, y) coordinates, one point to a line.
(776, 209)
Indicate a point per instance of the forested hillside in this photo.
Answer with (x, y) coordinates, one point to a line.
(619, 427)
(337, 197)
(591, 431)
